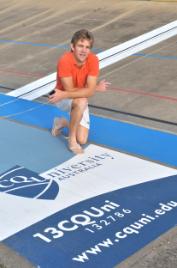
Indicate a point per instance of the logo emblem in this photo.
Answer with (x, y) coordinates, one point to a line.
(23, 182)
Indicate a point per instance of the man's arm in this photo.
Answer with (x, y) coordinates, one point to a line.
(71, 93)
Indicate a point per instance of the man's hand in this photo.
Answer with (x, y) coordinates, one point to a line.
(102, 86)
(57, 96)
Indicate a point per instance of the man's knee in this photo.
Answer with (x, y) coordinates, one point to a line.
(82, 135)
(82, 140)
(80, 103)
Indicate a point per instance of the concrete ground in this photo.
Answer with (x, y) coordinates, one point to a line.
(34, 34)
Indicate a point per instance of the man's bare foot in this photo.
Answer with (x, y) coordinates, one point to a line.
(58, 124)
(75, 147)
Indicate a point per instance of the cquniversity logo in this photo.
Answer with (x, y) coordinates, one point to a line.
(26, 183)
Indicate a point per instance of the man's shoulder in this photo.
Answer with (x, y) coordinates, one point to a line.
(92, 56)
(66, 56)
(92, 59)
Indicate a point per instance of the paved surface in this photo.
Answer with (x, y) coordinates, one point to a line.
(34, 34)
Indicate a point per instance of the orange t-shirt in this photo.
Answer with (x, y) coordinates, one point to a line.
(67, 66)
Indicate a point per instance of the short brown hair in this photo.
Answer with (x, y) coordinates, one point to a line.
(82, 34)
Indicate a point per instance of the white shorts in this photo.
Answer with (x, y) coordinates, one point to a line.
(66, 104)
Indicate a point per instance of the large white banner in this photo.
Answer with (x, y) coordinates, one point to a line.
(28, 198)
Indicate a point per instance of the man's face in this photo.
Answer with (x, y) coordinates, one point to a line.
(81, 50)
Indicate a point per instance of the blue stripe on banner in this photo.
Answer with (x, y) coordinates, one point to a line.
(89, 235)
(152, 144)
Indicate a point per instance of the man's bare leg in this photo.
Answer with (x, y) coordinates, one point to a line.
(82, 134)
(58, 124)
(78, 107)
